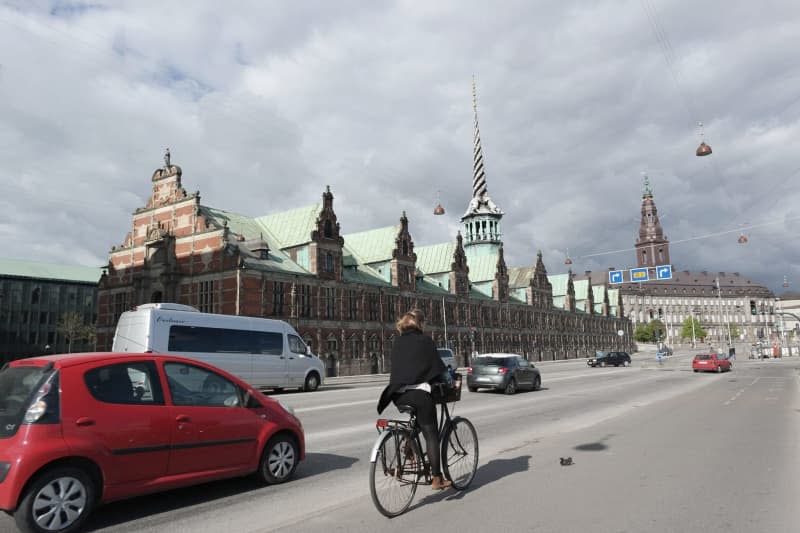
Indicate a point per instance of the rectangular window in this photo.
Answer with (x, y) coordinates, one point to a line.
(205, 296)
(372, 300)
(120, 304)
(352, 308)
(305, 301)
(330, 303)
(223, 340)
(278, 297)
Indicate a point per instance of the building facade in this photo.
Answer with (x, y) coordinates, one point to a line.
(722, 302)
(344, 292)
(35, 297)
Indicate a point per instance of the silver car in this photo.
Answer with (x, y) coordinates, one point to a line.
(448, 358)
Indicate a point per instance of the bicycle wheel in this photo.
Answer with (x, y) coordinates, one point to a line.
(460, 453)
(394, 473)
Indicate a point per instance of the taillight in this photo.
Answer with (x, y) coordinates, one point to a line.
(45, 409)
(469, 370)
(502, 370)
(381, 423)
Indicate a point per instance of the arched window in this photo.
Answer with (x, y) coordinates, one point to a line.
(405, 247)
(328, 262)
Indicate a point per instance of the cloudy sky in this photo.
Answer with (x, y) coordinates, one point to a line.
(264, 103)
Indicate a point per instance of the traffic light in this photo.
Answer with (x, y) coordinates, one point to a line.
(753, 310)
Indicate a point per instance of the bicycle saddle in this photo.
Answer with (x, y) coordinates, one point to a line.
(406, 409)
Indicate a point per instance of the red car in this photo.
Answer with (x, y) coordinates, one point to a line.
(710, 362)
(78, 430)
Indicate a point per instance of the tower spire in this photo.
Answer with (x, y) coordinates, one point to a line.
(478, 173)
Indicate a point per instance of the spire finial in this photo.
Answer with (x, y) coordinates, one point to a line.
(166, 159)
(478, 174)
(647, 189)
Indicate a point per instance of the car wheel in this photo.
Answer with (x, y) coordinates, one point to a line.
(602, 363)
(60, 499)
(279, 459)
(312, 382)
(627, 363)
(511, 388)
(696, 370)
(537, 383)
(719, 369)
(473, 389)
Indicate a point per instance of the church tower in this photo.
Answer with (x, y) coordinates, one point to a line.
(652, 247)
(482, 230)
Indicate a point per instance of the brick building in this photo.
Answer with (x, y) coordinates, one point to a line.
(343, 292)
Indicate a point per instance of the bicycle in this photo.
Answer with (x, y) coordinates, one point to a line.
(399, 464)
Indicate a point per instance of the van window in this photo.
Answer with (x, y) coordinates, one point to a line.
(296, 344)
(221, 340)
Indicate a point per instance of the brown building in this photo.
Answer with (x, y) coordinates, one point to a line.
(343, 292)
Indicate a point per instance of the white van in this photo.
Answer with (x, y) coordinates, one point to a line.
(265, 353)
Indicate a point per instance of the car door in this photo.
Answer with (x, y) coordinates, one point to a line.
(525, 373)
(270, 363)
(211, 430)
(124, 426)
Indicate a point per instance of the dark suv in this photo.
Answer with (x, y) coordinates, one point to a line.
(609, 358)
(502, 371)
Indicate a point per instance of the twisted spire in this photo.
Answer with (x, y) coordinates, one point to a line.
(478, 174)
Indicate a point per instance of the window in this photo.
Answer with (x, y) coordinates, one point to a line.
(328, 262)
(352, 308)
(330, 303)
(220, 340)
(35, 295)
(120, 304)
(278, 297)
(192, 385)
(327, 232)
(126, 383)
(305, 300)
(355, 347)
(372, 303)
(296, 344)
(205, 296)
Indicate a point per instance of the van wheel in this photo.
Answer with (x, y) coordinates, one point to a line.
(279, 459)
(312, 382)
(60, 499)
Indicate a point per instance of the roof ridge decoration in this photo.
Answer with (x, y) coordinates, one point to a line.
(481, 203)
(459, 271)
(501, 277)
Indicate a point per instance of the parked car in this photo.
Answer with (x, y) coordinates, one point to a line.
(609, 358)
(665, 350)
(448, 358)
(502, 371)
(711, 362)
(77, 430)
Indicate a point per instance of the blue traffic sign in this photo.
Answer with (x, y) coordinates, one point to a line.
(664, 272)
(615, 276)
(640, 274)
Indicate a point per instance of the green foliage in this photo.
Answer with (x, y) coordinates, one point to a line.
(653, 331)
(641, 334)
(734, 331)
(699, 332)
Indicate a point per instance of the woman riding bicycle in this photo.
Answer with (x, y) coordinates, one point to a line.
(415, 365)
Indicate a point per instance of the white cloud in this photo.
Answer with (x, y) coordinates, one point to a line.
(264, 104)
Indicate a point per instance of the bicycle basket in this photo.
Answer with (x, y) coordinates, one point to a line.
(447, 394)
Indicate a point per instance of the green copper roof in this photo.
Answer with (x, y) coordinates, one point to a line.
(482, 268)
(581, 287)
(30, 269)
(293, 227)
(436, 258)
(364, 274)
(559, 283)
(520, 276)
(374, 245)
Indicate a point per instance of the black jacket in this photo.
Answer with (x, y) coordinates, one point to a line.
(414, 360)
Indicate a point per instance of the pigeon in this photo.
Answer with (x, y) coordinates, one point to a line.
(566, 461)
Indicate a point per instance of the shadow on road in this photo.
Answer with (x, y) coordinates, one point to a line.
(114, 515)
(492, 471)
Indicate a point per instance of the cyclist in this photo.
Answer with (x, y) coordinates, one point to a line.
(415, 365)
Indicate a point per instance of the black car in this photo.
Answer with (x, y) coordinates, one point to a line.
(507, 372)
(610, 358)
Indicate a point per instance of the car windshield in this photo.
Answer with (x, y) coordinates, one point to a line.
(444, 352)
(601, 355)
(490, 361)
(702, 356)
(18, 384)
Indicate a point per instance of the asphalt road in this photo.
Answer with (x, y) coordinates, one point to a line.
(656, 448)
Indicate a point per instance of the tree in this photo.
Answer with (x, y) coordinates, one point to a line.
(686, 331)
(71, 326)
(657, 330)
(641, 334)
(734, 331)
